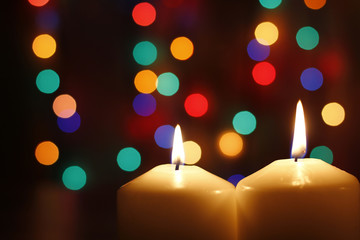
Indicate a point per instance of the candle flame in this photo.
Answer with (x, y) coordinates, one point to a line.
(299, 141)
(178, 153)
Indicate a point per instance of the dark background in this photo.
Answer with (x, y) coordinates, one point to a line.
(94, 60)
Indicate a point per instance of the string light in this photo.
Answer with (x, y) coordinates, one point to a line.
(315, 4)
(38, 3)
(196, 105)
(145, 53)
(311, 79)
(145, 81)
(167, 84)
(333, 114)
(266, 33)
(144, 14)
(307, 38)
(270, 4)
(264, 73)
(230, 144)
(129, 159)
(46, 153)
(182, 48)
(47, 81)
(74, 178)
(44, 46)
(64, 106)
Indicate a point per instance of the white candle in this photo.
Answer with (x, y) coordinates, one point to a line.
(299, 199)
(188, 203)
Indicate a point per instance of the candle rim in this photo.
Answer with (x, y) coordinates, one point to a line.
(158, 173)
(282, 172)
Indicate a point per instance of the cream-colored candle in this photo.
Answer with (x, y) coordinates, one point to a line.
(299, 199)
(188, 203)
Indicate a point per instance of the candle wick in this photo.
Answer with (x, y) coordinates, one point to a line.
(177, 166)
(296, 159)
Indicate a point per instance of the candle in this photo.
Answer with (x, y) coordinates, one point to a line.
(174, 201)
(299, 198)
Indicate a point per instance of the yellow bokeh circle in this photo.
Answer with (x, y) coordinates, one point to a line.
(266, 33)
(145, 81)
(333, 114)
(230, 144)
(192, 152)
(44, 46)
(182, 48)
(46, 153)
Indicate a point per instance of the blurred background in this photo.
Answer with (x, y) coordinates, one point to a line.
(95, 89)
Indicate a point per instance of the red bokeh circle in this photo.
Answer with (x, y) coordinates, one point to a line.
(196, 105)
(144, 14)
(264, 73)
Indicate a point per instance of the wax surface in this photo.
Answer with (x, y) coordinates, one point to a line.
(190, 203)
(308, 199)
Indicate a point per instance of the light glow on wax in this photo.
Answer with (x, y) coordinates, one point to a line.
(299, 141)
(178, 153)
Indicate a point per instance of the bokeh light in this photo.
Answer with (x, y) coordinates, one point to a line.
(69, 125)
(333, 114)
(182, 48)
(307, 38)
(322, 152)
(164, 136)
(258, 51)
(44, 46)
(270, 4)
(144, 14)
(145, 53)
(47, 81)
(167, 84)
(192, 152)
(230, 144)
(264, 73)
(315, 4)
(46, 153)
(128, 159)
(144, 104)
(235, 179)
(266, 33)
(311, 79)
(196, 105)
(38, 3)
(244, 122)
(47, 19)
(145, 81)
(74, 178)
(64, 106)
